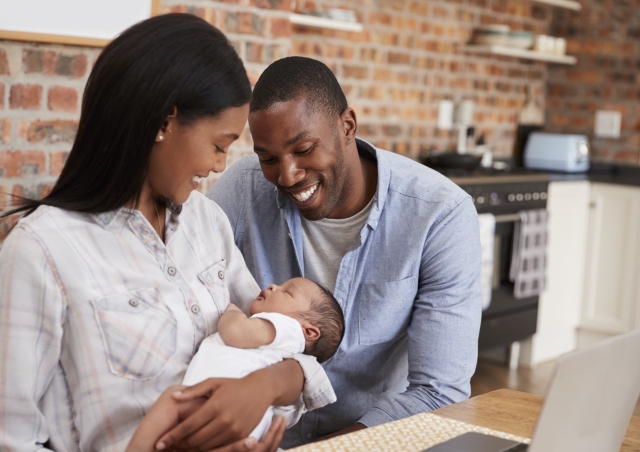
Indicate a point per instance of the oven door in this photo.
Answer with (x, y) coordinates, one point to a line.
(507, 319)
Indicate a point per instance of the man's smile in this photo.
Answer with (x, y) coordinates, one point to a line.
(306, 194)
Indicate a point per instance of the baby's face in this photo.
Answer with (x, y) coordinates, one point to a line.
(290, 297)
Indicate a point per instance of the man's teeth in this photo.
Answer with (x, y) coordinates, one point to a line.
(302, 197)
(196, 179)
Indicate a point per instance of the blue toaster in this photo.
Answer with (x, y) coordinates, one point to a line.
(557, 152)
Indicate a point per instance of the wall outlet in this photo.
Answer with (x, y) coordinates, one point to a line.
(445, 115)
(608, 124)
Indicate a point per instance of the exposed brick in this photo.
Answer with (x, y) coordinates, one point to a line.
(4, 63)
(5, 131)
(54, 131)
(32, 61)
(280, 27)
(254, 52)
(1, 96)
(244, 22)
(49, 62)
(359, 72)
(21, 163)
(283, 5)
(62, 98)
(71, 65)
(57, 161)
(25, 97)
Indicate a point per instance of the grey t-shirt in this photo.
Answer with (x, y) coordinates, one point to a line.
(326, 241)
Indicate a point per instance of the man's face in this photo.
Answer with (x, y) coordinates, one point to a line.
(301, 153)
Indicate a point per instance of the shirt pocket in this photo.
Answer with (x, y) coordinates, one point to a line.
(139, 332)
(215, 280)
(384, 310)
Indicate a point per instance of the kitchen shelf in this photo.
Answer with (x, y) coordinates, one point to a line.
(324, 22)
(568, 4)
(520, 53)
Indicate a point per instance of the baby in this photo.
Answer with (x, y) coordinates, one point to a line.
(298, 316)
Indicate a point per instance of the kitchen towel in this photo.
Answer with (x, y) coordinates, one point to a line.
(529, 255)
(487, 222)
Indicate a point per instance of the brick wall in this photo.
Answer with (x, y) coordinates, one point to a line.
(605, 36)
(394, 73)
(409, 57)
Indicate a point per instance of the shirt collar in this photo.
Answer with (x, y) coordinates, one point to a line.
(105, 219)
(366, 149)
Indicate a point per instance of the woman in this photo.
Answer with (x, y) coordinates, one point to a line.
(109, 284)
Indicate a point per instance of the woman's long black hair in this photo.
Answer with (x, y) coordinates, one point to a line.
(174, 60)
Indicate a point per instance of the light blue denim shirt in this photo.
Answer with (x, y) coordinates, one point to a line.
(410, 292)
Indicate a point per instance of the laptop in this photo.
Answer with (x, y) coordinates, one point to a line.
(587, 407)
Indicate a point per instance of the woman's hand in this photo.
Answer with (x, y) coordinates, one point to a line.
(234, 407)
(269, 442)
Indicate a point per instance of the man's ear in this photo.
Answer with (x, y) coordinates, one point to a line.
(311, 332)
(349, 124)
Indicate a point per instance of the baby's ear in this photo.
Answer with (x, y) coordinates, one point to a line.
(311, 332)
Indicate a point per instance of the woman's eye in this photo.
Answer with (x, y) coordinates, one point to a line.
(219, 149)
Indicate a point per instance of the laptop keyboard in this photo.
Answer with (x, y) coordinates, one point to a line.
(522, 447)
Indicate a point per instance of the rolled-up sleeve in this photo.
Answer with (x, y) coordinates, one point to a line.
(32, 307)
(443, 333)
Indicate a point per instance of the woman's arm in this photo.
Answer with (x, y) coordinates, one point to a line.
(238, 330)
(31, 319)
(235, 406)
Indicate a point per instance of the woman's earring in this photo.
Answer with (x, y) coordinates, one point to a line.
(160, 138)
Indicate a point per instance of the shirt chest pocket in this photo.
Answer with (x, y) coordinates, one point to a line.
(138, 331)
(215, 280)
(384, 310)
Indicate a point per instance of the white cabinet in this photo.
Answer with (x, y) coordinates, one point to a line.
(560, 304)
(612, 288)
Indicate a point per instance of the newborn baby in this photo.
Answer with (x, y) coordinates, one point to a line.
(298, 316)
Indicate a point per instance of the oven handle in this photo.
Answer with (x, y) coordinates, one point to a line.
(509, 218)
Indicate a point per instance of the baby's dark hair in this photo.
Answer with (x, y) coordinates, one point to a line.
(326, 314)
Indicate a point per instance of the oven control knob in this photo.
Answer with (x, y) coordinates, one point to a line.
(536, 196)
(543, 195)
(511, 197)
(527, 196)
(480, 200)
(519, 197)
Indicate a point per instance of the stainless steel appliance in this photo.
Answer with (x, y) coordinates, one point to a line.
(507, 319)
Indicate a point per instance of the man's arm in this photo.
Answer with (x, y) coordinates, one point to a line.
(238, 330)
(443, 332)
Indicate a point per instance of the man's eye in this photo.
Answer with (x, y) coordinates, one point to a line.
(267, 160)
(306, 151)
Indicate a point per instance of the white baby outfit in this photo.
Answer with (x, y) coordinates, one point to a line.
(215, 359)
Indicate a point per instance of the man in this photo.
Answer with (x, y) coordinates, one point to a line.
(396, 242)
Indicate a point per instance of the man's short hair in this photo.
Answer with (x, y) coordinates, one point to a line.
(326, 314)
(293, 77)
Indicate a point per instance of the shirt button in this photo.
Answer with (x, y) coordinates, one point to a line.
(221, 274)
(134, 303)
(171, 271)
(195, 309)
